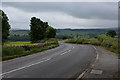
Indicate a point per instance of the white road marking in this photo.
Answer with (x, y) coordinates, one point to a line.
(65, 52)
(92, 65)
(81, 75)
(24, 67)
(97, 53)
(96, 72)
(69, 50)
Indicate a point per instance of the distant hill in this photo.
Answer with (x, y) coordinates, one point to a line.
(19, 32)
(72, 33)
(23, 35)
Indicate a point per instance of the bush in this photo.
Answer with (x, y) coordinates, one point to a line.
(102, 37)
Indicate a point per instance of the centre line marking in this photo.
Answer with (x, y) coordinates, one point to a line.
(65, 52)
(24, 67)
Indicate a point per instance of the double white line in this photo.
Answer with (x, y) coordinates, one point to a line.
(65, 52)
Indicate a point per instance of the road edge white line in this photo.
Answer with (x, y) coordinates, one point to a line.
(92, 65)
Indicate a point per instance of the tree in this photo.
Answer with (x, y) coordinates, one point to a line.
(5, 27)
(111, 33)
(40, 30)
(36, 27)
(50, 32)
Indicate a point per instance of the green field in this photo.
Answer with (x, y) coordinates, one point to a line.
(18, 42)
(22, 43)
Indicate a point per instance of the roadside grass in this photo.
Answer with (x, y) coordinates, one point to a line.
(16, 51)
(102, 40)
(93, 41)
(22, 48)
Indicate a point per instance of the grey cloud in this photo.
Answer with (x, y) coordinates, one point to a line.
(88, 10)
(63, 15)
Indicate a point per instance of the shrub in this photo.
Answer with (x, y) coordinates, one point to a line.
(102, 37)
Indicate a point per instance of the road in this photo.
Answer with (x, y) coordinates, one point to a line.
(65, 61)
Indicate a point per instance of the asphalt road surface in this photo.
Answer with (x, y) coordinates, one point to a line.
(65, 61)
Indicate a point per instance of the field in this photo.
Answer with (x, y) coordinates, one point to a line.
(19, 43)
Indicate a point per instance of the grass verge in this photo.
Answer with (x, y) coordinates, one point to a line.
(107, 42)
(16, 51)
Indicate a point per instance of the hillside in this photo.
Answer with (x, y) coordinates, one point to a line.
(23, 35)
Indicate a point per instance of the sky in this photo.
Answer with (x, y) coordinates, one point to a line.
(60, 15)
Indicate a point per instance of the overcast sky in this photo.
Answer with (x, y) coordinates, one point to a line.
(80, 15)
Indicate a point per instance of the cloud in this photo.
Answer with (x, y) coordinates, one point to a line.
(63, 15)
(105, 10)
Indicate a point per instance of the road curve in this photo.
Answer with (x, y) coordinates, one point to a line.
(65, 61)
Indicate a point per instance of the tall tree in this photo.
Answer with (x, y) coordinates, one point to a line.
(5, 26)
(37, 29)
(40, 30)
(111, 33)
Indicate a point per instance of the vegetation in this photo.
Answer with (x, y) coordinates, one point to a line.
(17, 51)
(111, 33)
(11, 51)
(19, 48)
(101, 40)
(17, 43)
(40, 30)
(19, 35)
(80, 33)
(22, 35)
(50, 32)
(110, 43)
(5, 27)
(93, 41)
